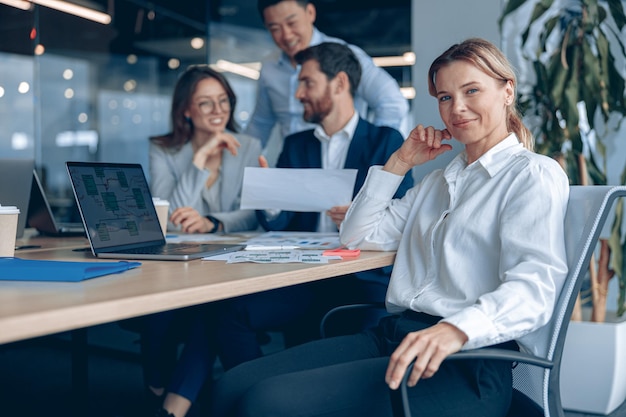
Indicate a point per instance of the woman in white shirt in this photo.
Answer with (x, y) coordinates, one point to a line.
(480, 260)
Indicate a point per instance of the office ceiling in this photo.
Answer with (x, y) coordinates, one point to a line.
(381, 28)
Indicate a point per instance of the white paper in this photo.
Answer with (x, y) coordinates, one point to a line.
(293, 240)
(274, 256)
(310, 189)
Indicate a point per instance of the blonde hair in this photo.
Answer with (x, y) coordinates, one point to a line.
(488, 58)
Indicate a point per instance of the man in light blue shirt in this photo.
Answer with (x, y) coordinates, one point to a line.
(291, 25)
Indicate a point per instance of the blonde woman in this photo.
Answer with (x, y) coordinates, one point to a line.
(480, 259)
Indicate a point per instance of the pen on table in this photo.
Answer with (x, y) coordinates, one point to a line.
(27, 247)
(264, 247)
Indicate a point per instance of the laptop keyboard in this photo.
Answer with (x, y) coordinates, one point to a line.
(154, 250)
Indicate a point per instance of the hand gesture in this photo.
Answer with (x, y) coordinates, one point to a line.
(190, 221)
(337, 214)
(430, 346)
(214, 147)
(423, 144)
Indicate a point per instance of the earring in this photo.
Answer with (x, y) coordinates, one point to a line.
(188, 119)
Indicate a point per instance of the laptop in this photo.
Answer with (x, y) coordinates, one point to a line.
(15, 182)
(41, 217)
(116, 208)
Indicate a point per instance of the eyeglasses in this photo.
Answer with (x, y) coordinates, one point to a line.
(209, 106)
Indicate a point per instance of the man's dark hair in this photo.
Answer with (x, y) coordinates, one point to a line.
(333, 58)
(261, 5)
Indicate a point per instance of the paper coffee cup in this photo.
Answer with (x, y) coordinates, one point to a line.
(8, 230)
(163, 212)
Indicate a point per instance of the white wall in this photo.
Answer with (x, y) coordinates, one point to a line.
(436, 25)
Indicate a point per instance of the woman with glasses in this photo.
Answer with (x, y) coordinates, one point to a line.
(199, 168)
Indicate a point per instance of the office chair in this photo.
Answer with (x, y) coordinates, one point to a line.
(536, 383)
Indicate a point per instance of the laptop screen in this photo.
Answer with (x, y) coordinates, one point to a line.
(115, 204)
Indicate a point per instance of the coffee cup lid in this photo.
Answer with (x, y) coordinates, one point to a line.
(157, 201)
(9, 210)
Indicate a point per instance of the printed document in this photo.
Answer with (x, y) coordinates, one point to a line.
(306, 190)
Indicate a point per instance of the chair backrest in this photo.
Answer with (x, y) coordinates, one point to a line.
(587, 211)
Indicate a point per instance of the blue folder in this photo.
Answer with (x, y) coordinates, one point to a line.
(16, 269)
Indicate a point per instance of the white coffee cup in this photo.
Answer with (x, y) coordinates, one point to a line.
(8, 230)
(163, 212)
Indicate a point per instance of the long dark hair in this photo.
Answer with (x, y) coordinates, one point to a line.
(182, 127)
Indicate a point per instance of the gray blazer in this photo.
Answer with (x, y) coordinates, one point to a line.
(175, 178)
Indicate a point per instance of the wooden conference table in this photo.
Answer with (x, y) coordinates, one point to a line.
(32, 309)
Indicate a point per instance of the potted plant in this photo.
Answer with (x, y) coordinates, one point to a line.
(573, 100)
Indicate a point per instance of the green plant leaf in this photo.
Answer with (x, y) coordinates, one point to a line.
(581, 69)
(510, 7)
(539, 9)
(617, 11)
(596, 174)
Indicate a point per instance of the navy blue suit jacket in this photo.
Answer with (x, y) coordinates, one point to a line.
(370, 145)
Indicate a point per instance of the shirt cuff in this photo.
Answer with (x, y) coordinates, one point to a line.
(380, 184)
(479, 328)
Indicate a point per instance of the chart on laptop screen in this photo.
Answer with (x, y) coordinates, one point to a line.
(116, 204)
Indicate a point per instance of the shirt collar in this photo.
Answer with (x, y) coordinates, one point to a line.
(492, 161)
(347, 130)
(497, 157)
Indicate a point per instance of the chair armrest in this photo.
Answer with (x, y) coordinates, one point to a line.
(347, 307)
(503, 355)
(485, 353)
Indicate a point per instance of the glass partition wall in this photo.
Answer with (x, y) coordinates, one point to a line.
(76, 89)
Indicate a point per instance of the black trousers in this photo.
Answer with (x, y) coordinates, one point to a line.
(295, 310)
(344, 376)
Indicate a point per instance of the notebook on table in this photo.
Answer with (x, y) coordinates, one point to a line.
(15, 182)
(41, 217)
(116, 208)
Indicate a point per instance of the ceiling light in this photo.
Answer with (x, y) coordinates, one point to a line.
(197, 43)
(74, 9)
(20, 4)
(406, 59)
(239, 69)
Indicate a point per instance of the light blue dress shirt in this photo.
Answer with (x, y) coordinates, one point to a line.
(377, 92)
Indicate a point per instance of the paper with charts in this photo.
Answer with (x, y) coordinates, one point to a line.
(285, 247)
(306, 190)
(279, 240)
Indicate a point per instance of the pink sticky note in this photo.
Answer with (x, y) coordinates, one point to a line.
(344, 253)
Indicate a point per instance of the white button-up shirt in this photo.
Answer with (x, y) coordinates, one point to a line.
(481, 245)
(334, 153)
